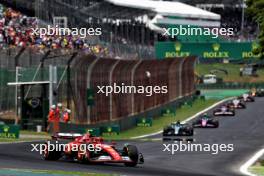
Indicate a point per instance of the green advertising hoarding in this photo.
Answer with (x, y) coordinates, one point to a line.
(110, 130)
(144, 122)
(9, 131)
(208, 50)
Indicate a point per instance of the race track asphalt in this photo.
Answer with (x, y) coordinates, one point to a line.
(245, 131)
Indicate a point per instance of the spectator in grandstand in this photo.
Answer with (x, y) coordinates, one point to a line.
(16, 31)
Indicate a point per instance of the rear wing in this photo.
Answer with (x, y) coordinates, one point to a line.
(66, 135)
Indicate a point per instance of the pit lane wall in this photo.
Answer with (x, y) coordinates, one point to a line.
(91, 107)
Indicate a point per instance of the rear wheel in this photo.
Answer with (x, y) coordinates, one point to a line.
(216, 123)
(51, 155)
(132, 152)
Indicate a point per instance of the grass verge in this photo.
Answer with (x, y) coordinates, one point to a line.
(258, 170)
(159, 123)
(233, 72)
(48, 172)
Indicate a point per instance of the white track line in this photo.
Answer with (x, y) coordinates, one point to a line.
(244, 168)
(187, 120)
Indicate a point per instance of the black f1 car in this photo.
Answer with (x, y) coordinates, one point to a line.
(178, 131)
(236, 104)
(206, 121)
(258, 93)
(89, 149)
(224, 111)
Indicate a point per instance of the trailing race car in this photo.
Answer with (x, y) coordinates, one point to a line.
(236, 104)
(224, 111)
(246, 98)
(88, 149)
(178, 131)
(258, 93)
(206, 121)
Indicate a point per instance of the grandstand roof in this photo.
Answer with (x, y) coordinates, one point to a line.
(167, 8)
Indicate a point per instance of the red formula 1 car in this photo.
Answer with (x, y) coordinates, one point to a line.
(88, 149)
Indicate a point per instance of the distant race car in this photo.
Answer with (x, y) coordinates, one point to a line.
(108, 153)
(236, 104)
(206, 121)
(178, 131)
(258, 93)
(224, 110)
(247, 98)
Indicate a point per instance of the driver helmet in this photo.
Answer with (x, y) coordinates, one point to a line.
(59, 105)
(87, 136)
(53, 107)
(178, 122)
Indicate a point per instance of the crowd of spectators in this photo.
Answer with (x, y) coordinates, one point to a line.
(232, 18)
(16, 31)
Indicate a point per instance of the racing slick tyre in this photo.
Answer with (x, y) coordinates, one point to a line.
(83, 157)
(51, 155)
(216, 123)
(132, 152)
(189, 131)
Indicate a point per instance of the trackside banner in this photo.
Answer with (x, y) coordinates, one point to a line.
(9, 131)
(233, 50)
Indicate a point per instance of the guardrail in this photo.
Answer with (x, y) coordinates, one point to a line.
(231, 85)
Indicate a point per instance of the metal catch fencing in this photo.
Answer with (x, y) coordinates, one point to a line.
(90, 72)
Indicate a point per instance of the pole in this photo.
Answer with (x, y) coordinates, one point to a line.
(242, 16)
(16, 102)
(69, 78)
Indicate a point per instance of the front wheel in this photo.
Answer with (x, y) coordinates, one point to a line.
(83, 156)
(132, 152)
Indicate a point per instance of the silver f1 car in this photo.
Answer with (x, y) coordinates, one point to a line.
(236, 104)
(206, 121)
(178, 131)
(224, 111)
(246, 98)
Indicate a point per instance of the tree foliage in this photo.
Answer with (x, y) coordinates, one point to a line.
(255, 8)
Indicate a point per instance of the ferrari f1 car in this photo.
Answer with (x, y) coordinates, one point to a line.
(236, 104)
(224, 111)
(178, 131)
(246, 98)
(89, 149)
(206, 121)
